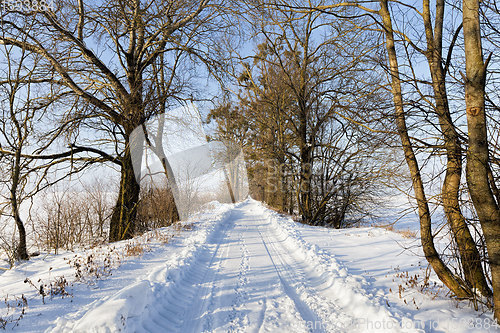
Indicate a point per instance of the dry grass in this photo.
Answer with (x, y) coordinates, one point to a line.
(134, 249)
(409, 283)
(161, 237)
(188, 226)
(53, 287)
(407, 233)
(156, 208)
(69, 219)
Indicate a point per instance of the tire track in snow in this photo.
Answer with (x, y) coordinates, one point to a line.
(276, 307)
(287, 279)
(184, 307)
(307, 286)
(338, 298)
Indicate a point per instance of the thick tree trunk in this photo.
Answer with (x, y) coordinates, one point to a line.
(305, 183)
(122, 225)
(477, 154)
(304, 197)
(430, 252)
(470, 258)
(21, 251)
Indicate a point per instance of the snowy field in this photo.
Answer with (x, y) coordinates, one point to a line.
(237, 268)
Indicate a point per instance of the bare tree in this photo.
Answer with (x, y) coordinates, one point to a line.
(16, 130)
(437, 104)
(25, 149)
(103, 55)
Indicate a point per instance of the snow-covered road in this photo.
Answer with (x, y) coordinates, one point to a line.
(246, 280)
(252, 276)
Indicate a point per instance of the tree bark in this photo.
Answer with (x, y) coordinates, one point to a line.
(228, 184)
(477, 154)
(122, 224)
(430, 252)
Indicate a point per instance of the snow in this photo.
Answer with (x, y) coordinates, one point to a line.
(243, 268)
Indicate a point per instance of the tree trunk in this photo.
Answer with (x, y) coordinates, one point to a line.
(432, 256)
(122, 225)
(305, 169)
(305, 184)
(228, 184)
(174, 189)
(470, 258)
(477, 154)
(159, 151)
(21, 251)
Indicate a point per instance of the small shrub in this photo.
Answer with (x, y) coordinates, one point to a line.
(188, 226)
(95, 265)
(415, 282)
(56, 287)
(134, 249)
(14, 311)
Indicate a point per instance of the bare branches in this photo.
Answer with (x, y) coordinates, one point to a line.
(66, 78)
(75, 150)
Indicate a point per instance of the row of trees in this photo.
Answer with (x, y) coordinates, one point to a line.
(311, 106)
(298, 98)
(312, 110)
(480, 183)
